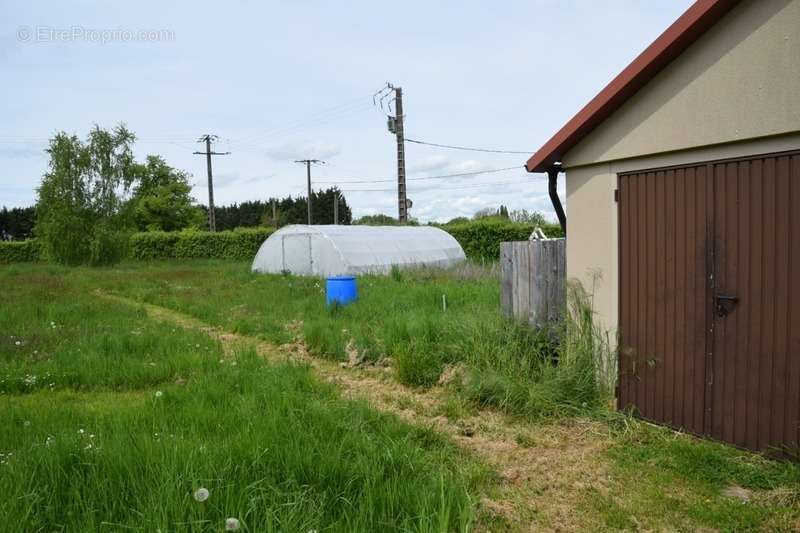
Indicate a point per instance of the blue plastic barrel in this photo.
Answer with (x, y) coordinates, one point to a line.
(340, 290)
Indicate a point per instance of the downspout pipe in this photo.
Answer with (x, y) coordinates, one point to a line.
(552, 182)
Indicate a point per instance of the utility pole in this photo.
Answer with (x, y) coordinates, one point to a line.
(335, 208)
(395, 124)
(207, 138)
(308, 163)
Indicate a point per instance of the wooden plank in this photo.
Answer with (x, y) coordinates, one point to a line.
(522, 258)
(507, 277)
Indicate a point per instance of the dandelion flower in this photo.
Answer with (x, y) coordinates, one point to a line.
(159, 394)
(231, 524)
(201, 494)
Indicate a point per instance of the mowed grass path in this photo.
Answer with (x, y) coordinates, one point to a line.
(111, 421)
(388, 476)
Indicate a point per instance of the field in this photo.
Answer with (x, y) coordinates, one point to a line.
(124, 390)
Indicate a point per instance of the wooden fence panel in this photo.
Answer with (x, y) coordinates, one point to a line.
(534, 280)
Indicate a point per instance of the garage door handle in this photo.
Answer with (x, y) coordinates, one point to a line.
(725, 303)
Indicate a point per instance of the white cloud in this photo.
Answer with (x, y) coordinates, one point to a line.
(427, 164)
(291, 151)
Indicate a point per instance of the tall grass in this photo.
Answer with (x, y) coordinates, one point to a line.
(550, 372)
(402, 317)
(134, 416)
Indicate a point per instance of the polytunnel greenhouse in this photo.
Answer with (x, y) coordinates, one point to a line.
(348, 250)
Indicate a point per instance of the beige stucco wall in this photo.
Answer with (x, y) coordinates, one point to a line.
(735, 92)
(739, 81)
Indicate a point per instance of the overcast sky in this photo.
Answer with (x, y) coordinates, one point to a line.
(279, 81)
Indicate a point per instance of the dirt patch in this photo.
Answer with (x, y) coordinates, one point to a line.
(540, 483)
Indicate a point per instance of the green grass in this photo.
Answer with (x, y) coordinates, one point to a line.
(683, 480)
(283, 452)
(127, 418)
(399, 316)
(56, 335)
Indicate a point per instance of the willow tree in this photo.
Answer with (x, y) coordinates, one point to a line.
(80, 216)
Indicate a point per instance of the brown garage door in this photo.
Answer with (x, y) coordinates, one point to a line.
(709, 270)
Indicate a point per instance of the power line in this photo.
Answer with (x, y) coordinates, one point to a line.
(335, 181)
(471, 186)
(324, 116)
(468, 149)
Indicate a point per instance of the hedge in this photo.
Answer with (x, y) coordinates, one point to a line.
(19, 251)
(239, 244)
(481, 238)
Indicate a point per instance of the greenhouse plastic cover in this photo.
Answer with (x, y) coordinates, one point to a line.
(348, 250)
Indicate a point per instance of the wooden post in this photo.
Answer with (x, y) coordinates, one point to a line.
(534, 280)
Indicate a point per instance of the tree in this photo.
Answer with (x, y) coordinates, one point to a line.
(377, 220)
(17, 223)
(79, 207)
(485, 212)
(528, 217)
(289, 210)
(162, 199)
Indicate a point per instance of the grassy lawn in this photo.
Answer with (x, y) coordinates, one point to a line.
(114, 419)
(401, 317)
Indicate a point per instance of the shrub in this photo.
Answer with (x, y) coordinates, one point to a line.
(481, 238)
(191, 244)
(19, 251)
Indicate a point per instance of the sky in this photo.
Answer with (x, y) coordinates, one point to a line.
(280, 81)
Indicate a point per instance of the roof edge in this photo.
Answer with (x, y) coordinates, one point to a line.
(692, 24)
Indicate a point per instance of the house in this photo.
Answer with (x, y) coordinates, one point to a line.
(683, 215)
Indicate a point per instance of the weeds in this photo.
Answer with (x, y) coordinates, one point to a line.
(546, 373)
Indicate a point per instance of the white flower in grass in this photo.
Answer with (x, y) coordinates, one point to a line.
(26, 423)
(231, 524)
(159, 394)
(196, 345)
(81, 431)
(201, 494)
(18, 343)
